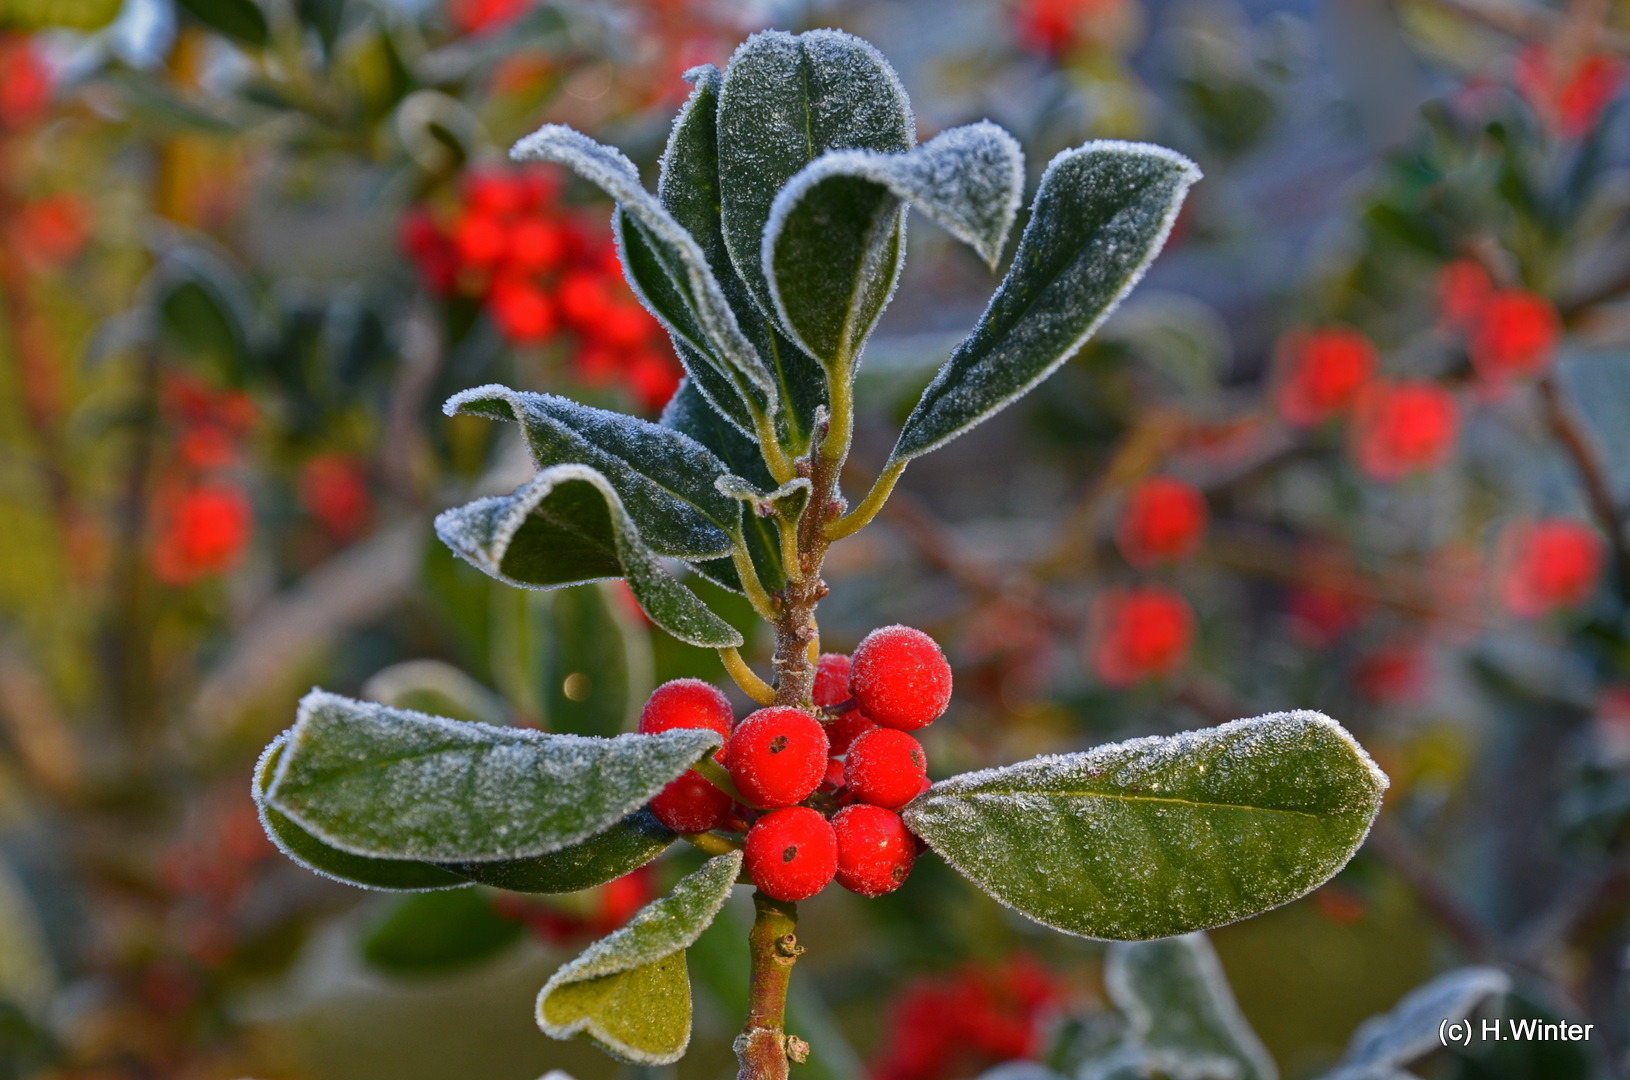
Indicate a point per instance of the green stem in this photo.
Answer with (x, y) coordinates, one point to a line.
(862, 515)
(762, 1049)
(750, 584)
(746, 678)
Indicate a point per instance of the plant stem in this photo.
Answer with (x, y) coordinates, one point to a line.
(861, 516)
(773, 948)
(745, 677)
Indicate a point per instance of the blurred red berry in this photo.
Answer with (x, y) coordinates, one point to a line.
(1513, 335)
(480, 16)
(620, 898)
(480, 239)
(1164, 521)
(25, 83)
(207, 447)
(1139, 633)
(1340, 905)
(1056, 26)
(334, 490)
(1570, 100)
(52, 231)
(1403, 427)
(1463, 286)
(653, 377)
(432, 250)
(1320, 616)
(202, 532)
(584, 299)
(1393, 675)
(536, 244)
(962, 1022)
(522, 310)
(1546, 565)
(791, 853)
(1321, 373)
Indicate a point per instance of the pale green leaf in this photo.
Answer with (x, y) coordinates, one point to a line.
(833, 248)
(689, 188)
(787, 99)
(1160, 836)
(666, 479)
(629, 993)
(1383, 1044)
(389, 783)
(567, 526)
(696, 308)
(1100, 217)
(1181, 1014)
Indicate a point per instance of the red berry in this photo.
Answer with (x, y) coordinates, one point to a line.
(1514, 335)
(203, 532)
(1570, 100)
(885, 768)
(1463, 286)
(900, 678)
(834, 775)
(537, 244)
(1545, 565)
(843, 731)
(522, 310)
(480, 238)
(1403, 427)
(875, 849)
(690, 804)
(687, 703)
(777, 756)
(334, 490)
(1139, 633)
(1321, 372)
(1164, 520)
(831, 680)
(791, 854)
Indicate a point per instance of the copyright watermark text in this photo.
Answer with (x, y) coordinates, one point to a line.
(1465, 1032)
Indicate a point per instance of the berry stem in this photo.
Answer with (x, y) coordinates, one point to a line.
(861, 516)
(773, 948)
(746, 678)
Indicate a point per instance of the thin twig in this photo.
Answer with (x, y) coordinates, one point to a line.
(1404, 859)
(1598, 491)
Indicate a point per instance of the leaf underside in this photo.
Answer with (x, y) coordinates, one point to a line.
(629, 993)
(1384, 1044)
(567, 526)
(393, 784)
(1161, 836)
(1101, 215)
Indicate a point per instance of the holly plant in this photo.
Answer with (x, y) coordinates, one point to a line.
(772, 245)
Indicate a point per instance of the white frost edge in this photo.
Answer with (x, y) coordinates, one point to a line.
(586, 962)
(1465, 988)
(955, 784)
(519, 402)
(317, 698)
(1191, 174)
(617, 177)
(1117, 981)
(272, 834)
(893, 77)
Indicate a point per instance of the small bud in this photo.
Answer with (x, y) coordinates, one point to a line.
(797, 1050)
(803, 467)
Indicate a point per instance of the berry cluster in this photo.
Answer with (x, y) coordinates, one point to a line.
(203, 520)
(1546, 565)
(25, 82)
(1510, 333)
(818, 800)
(541, 271)
(1569, 93)
(962, 1022)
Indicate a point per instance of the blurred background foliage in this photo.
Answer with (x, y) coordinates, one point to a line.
(1380, 379)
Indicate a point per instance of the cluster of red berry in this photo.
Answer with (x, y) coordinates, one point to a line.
(203, 520)
(25, 83)
(1054, 27)
(962, 1022)
(1569, 94)
(1510, 333)
(540, 270)
(333, 488)
(818, 800)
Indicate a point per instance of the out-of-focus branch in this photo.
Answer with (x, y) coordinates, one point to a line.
(359, 584)
(1404, 859)
(1598, 492)
(35, 726)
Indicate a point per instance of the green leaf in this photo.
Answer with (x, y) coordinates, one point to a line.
(1160, 836)
(587, 688)
(567, 526)
(81, 15)
(666, 480)
(1181, 1015)
(206, 309)
(688, 186)
(629, 993)
(627, 845)
(27, 975)
(1100, 217)
(785, 100)
(1383, 1044)
(240, 20)
(786, 502)
(390, 783)
(833, 246)
(674, 279)
(438, 688)
(390, 875)
(434, 933)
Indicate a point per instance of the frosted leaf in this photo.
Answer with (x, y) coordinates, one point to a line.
(388, 875)
(389, 783)
(566, 526)
(689, 188)
(664, 478)
(1383, 1044)
(626, 846)
(688, 300)
(1181, 1014)
(786, 100)
(832, 247)
(786, 502)
(1101, 215)
(629, 992)
(1160, 836)
(688, 412)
